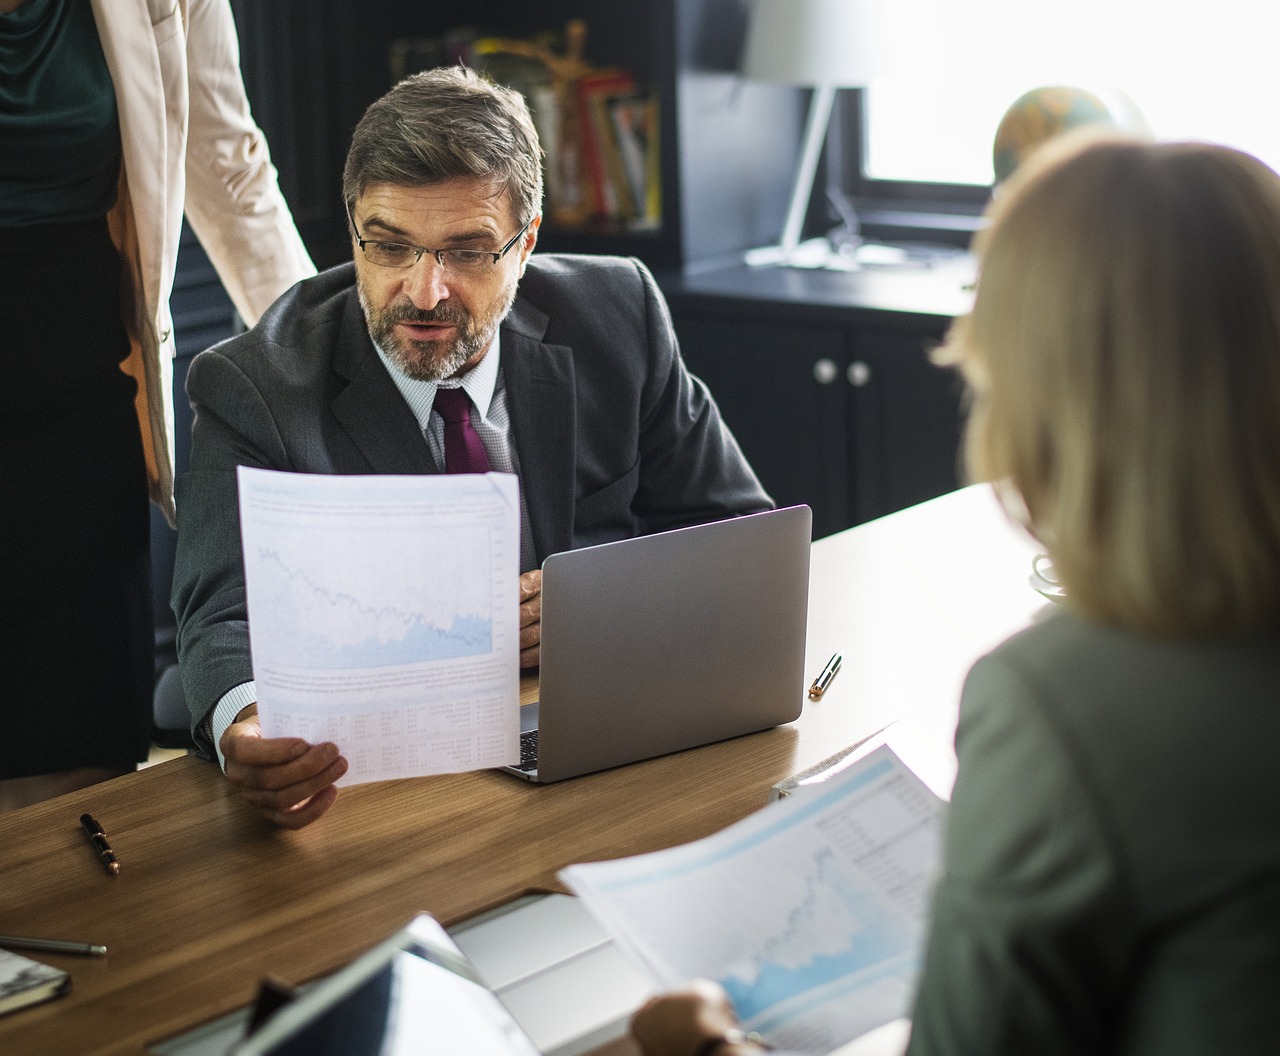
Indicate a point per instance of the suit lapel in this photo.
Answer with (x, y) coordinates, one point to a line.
(370, 408)
(541, 399)
(539, 379)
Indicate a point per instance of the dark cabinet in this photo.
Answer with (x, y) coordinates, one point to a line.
(835, 401)
(793, 427)
(903, 415)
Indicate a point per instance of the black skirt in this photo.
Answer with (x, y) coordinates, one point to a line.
(74, 537)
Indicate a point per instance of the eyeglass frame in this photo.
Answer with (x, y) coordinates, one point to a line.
(420, 250)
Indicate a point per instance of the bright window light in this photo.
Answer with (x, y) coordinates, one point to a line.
(1205, 71)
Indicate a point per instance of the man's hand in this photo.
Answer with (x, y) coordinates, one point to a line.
(288, 781)
(530, 618)
(676, 1023)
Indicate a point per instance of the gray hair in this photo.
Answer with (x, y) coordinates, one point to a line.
(446, 124)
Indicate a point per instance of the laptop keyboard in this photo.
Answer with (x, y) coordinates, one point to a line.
(528, 751)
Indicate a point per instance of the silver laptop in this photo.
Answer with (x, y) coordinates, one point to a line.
(668, 641)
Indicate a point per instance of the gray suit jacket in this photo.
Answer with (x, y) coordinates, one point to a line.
(614, 437)
(1112, 878)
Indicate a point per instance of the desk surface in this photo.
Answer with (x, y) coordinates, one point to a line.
(210, 899)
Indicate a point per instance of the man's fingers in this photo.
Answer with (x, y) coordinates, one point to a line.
(250, 748)
(531, 613)
(303, 814)
(530, 636)
(530, 603)
(530, 618)
(290, 799)
(530, 584)
(295, 771)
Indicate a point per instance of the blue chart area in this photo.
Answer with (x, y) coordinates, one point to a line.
(834, 931)
(317, 621)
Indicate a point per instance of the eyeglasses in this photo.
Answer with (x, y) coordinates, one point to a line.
(457, 261)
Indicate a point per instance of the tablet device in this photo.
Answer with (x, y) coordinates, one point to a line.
(411, 994)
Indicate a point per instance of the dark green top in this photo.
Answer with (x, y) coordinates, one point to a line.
(59, 131)
(1112, 878)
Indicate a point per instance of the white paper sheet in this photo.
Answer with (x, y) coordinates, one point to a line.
(811, 912)
(383, 616)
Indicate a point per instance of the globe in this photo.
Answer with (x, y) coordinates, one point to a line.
(1043, 113)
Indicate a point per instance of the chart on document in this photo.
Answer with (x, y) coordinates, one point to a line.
(383, 616)
(341, 604)
(810, 913)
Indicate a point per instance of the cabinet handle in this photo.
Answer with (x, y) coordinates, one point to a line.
(825, 371)
(859, 373)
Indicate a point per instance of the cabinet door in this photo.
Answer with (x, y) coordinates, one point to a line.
(781, 390)
(905, 423)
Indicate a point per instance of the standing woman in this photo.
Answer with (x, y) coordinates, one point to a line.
(115, 117)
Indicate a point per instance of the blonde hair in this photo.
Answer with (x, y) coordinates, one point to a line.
(1123, 357)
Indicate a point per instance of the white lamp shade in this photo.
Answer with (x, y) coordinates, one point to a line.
(810, 42)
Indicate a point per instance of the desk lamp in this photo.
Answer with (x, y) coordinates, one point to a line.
(822, 44)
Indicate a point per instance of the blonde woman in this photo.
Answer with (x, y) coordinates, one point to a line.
(1112, 868)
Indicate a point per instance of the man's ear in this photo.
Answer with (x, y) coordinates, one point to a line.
(529, 241)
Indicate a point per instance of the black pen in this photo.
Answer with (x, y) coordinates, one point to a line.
(24, 942)
(99, 840)
(824, 679)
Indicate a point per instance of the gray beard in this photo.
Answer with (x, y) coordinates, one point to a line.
(425, 361)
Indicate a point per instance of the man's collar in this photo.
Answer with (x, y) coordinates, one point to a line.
(478, 383)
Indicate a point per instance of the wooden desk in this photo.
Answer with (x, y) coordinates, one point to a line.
(210, 899)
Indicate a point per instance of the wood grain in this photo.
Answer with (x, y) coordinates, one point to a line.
(210, 899)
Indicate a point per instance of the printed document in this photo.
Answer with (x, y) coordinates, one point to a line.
(383, 616)
(811, 913)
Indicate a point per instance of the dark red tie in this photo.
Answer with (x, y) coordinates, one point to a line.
(463, 449)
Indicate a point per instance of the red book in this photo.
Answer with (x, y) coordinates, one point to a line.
(594, 91)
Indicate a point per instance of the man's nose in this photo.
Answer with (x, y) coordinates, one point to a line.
(425, 282)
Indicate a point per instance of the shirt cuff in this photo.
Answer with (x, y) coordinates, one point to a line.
(233, 701)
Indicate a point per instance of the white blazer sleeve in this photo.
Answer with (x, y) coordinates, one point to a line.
(233, 200)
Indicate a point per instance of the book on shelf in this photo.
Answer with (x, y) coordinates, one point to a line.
(26, 982)
(609, 196)
(598, 128)
(634, 121)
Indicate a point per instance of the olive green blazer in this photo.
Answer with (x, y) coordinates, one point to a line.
(1112, 865)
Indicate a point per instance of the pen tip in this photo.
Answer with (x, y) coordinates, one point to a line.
(114, 867)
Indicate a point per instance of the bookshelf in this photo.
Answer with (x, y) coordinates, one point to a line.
(725, 147)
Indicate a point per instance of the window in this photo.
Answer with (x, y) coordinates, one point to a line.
(1202, 71)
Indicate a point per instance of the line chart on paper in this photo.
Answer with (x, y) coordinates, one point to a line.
(383, 616)
(810, 913)
(323, 612)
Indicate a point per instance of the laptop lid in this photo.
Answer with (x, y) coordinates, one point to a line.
(668, 641)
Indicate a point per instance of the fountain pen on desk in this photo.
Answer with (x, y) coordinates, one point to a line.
(99, 840)
(26, 942)
(823, 680)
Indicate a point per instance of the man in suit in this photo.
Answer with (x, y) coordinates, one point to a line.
(569, 365)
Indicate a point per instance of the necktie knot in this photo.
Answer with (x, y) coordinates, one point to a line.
(453, 405)
(464, 451)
